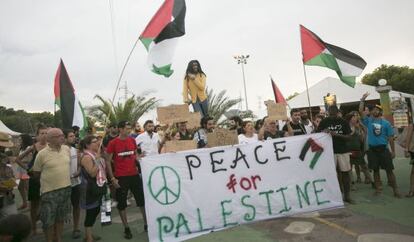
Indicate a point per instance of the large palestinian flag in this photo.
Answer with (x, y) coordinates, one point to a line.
(316, 52)
(161, 34)
(70, 107)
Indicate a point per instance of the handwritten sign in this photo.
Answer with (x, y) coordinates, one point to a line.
(191, 193)
(276, 111)
(222, 137)
(172, 114)
(180, 145)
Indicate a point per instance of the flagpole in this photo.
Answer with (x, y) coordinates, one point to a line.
(307, 91)
(54, 114)
(306, 79)
(117, 87)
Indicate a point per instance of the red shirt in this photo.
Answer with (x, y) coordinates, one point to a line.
(124, 156)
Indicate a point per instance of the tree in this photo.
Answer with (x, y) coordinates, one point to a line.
(219, 104)
(131, 110)
(24, 122)
(400, 78)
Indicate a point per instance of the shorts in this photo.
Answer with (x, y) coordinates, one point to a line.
(357, 158)
(21, 173)
(34, 190)
(55, 206)
(75, 196)
(126, 183)
(91, 215)
(379, 157)
(342, 162)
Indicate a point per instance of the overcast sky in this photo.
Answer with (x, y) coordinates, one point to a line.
(35, 34)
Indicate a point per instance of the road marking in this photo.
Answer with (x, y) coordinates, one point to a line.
(336, 226)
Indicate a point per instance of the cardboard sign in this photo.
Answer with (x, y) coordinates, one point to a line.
(276, 111)
(222, 137)
(400, 119)
(193, 120)
(191, 193)
(172, 114)
(180, 145)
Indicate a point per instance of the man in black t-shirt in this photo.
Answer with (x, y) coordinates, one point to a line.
(340, 131)
(294, 127)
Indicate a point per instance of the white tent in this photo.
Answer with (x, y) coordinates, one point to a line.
(5, 129)
(343, 92)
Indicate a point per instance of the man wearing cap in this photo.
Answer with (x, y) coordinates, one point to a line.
(380, 134)
(7, 183)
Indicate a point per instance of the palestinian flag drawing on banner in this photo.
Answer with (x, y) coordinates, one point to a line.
(278, 94)
(316, 52)
(70, 107)
(161, 34)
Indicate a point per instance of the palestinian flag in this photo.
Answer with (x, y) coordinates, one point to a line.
(316, 52)
(70, 107)
(161, 34)
(278, 94)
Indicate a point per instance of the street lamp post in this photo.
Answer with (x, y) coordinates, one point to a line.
(242, 59)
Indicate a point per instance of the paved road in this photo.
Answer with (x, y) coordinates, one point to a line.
(362, 222)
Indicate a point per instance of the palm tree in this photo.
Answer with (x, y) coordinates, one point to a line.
(219, 104)
(131, 110)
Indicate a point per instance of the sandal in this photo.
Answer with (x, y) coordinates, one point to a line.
(410, 194)
(76, 234)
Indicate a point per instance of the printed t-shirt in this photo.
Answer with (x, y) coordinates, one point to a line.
(124, 156)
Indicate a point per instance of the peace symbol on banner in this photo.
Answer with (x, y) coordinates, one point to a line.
(164, 185)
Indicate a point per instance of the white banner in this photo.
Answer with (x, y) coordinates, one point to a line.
(194, 192)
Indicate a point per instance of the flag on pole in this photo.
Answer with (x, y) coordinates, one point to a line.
(316, 52)
(278, 94)
(161, 34)
(70, 107)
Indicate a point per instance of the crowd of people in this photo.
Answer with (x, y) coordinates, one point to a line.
(61, 174)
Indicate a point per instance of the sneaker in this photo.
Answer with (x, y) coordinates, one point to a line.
(127, 233)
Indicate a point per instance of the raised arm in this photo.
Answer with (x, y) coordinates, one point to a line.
(362, 104)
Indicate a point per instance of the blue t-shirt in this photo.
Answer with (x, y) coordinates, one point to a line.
(379, 130)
